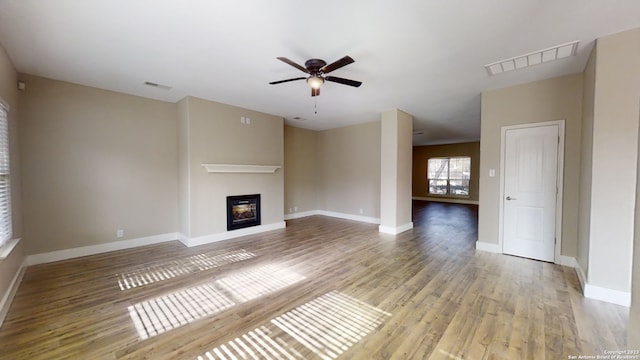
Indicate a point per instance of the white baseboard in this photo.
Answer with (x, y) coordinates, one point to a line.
(572, 262)
(596, 292)
(7, 299)
(184, 239)
(301, 214)
(493, 248)
(568, 261)
(609, 295)
(395, 230)
(98, 249)
(367, 219)
(207, 239)
(447, 200)
(582, 276)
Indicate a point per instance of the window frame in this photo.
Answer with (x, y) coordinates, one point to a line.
(6, 220)
(448, 177)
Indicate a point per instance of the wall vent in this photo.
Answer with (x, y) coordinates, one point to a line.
(533, 58)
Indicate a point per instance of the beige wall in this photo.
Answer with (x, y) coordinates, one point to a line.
(634, 312)
(95, 161)
(546, 100)
(10, 266)
(300, 170)
(184, 180)
(395, 171)
(421, 155)
(349, 170)
(216, 135)
(404, 208)
(615, 146)
(586, 151)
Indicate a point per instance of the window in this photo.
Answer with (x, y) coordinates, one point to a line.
(5, 187)
(449, 176)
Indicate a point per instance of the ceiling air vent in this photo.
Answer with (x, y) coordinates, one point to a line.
(156, 85)
(533, 58)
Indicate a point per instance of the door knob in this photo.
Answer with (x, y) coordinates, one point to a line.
(510, 198)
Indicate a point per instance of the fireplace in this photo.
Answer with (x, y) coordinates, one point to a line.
(243, 211)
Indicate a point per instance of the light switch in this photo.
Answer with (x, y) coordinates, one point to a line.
(492, 172)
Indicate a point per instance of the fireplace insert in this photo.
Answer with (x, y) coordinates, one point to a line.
(243, 211)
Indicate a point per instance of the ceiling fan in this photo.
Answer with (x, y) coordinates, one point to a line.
(317, 70)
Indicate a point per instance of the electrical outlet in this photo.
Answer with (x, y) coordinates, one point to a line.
(120, 233)
(290, 210)
(295, 208)
(361, 211)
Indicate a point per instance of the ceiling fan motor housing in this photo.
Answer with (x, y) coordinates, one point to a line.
(317, 68)
(314, 65)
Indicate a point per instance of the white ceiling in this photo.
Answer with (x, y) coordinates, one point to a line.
(425, 57)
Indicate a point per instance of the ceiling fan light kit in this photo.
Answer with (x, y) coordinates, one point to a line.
(317, 68)
(315, 82)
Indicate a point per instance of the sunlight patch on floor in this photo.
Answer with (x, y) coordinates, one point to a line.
(171, 269)
(449, 355)
(253, 283)
(327, 326)
(159, 315)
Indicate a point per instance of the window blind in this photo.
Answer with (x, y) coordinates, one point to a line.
(5, 184)
(449, 176)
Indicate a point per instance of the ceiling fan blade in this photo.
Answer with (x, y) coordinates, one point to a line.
(343, 81)
(283, 81)
(337, 64)
(315, 92)
(299, 67)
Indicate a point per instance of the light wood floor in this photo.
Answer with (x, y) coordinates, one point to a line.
(322, 288)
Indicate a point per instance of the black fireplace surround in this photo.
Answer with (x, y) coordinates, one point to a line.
(243, 211)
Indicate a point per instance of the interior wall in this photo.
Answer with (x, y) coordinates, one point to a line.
(615, 146)
(395, 171)
(300, 170)
(349, 170)
(545, 100)
(421, 155)
(404, 208)
(10, 266)
(217, 136)
(634, 311)
(93, 162)
(184, 178)
(586, 151)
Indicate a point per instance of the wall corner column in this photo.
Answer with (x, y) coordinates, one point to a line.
(395, 171)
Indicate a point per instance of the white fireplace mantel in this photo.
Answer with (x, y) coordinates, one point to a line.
(235, 168)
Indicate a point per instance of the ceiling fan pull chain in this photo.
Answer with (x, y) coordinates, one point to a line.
(315, 105)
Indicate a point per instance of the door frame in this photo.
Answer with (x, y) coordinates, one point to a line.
(559, 182)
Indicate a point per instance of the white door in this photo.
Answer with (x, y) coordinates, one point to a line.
(530, 190)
